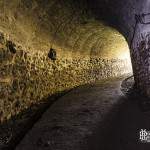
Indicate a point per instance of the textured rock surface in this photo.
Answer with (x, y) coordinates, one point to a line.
(141, 63)
(132, 18)
(86, 50)
(68, 26)
(27, 76)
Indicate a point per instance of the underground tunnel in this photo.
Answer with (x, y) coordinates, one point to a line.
(63, 65)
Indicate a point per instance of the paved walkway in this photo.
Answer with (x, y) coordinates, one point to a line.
(91, 117)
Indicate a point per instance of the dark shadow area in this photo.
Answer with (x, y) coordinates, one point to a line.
(102, 10)
(110, 11)
(13, 130)
(121, 131)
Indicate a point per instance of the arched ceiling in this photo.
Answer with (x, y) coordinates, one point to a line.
(88, 47)
(69, 26)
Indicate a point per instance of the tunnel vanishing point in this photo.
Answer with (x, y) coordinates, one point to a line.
(48, 46)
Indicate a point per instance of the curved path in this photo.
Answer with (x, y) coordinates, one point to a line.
(90, 117)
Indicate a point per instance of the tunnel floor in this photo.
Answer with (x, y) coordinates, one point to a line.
(91, 117)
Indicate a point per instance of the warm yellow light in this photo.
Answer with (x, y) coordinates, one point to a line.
(125, 55)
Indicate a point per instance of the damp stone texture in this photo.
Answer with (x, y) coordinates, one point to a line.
(51, 46)
(27, 77)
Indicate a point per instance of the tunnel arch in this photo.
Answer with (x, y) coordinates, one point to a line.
(58, 26)
(72, 29)
(131, 18)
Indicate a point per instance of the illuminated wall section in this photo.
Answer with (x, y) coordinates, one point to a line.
(84, 50)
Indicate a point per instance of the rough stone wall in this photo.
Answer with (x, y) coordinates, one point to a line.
(132, 18)
(29, 76)
(37, 24)
(141, 62)
(139, 44)
(66, 25)
(86, 51)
